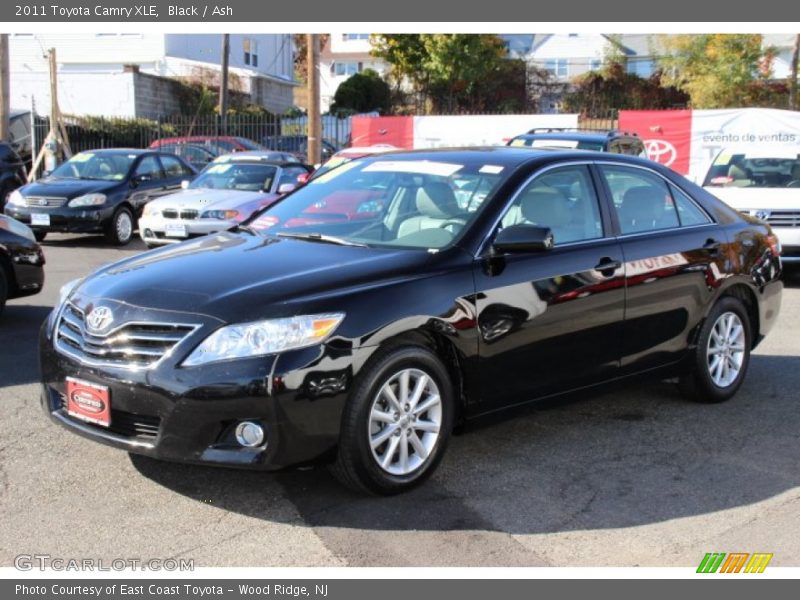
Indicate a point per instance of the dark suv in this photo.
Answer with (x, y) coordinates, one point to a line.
(599, 140)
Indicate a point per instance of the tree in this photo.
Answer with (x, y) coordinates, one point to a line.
(300, 64)
(793, 74)
(612, 88)
(720, 70)
(362, 92)
(445, 72)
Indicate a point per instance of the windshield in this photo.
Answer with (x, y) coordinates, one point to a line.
(407, 203)
(102, 166)
(332, 163)
(540, 142)
(755, 170)
(245, 177)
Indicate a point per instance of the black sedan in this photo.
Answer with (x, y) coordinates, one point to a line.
(483, 279)
(101, 191)
(21, 261)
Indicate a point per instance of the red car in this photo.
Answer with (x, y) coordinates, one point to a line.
(221, 144)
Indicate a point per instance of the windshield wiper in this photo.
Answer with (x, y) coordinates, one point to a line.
(318, 237)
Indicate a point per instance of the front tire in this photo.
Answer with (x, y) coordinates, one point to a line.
(120, 229)
(722, 354)
(396, 423)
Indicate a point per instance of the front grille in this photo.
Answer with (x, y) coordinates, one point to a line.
(44, 201)
(784, 218)
(131, 345)
(123, 423)
(169, 213)
(189, 214)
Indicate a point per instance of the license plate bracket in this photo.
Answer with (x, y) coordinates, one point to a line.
(88, 402)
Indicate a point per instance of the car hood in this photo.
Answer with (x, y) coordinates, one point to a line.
(241, 276)
(202, 198)
(758, 198)
(67, 188)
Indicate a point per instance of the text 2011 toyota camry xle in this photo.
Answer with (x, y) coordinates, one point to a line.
(485, 278)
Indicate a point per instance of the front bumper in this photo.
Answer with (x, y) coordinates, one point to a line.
(86, 219)
(153, 229)
(189, 414)
(789, 238)
(28, 264)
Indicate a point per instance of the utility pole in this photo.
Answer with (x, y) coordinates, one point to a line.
(793, 104)
(223, 88)
(314, 122)
(5, 90)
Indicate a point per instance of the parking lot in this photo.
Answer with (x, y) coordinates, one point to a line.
(635, 476)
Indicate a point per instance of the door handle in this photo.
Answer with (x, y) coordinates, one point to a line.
(712, 246)
(607, 266)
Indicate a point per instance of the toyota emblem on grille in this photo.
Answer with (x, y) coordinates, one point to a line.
(100, 318)
(761, 214)
(42, 201)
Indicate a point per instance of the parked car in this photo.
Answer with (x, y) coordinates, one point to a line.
(100, 191)
(365, 342)
(348, 154)
(599, 140)
(765, 184)
(12, 172)
(298, 145)
(219, 144)
(195, 154)
(21, 261)
(226, 192)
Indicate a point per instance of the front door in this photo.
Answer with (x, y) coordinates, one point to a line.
(552, 319)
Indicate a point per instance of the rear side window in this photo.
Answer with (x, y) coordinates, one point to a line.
(173, 167)
(642, 200)
(688, 212)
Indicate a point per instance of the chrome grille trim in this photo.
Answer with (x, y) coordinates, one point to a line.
(784, 218)
(134, 345)
(169, 213)
(44, 201)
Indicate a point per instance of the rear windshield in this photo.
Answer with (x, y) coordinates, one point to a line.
(540, 142)
(754, 170)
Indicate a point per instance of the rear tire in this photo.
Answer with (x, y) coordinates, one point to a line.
(396, 423)
(120, 229)
(722, 355)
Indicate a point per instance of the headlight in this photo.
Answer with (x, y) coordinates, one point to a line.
(16, 198)
(264, 337)
(63, 294)
(222, 215)
(150, 210)
(87, 200)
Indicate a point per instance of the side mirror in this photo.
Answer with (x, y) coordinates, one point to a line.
(285, 188)
(185, 184)
(523, 238)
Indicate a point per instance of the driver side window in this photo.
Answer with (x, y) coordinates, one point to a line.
(562, 199)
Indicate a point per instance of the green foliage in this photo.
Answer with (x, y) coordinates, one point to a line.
(720, 70)
(447, 72)
(362, 92)
(597, 92)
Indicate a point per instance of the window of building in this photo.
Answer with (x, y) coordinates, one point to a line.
(643, 67)
(557, 66)
(250, 52)
(355, 36)
(595, 64)
(345, 69)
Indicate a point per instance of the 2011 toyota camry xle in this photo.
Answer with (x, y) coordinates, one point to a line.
(482, 279)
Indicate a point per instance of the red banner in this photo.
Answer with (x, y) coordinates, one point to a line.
(397, 131)
(667, 135)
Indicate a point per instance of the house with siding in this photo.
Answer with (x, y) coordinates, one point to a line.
(133, 74)
(344, 55)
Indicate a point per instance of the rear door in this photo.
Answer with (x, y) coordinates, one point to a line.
(673, 254)
(551, 320)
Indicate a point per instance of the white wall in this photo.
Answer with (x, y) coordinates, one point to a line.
(580, 49)
(78, 94)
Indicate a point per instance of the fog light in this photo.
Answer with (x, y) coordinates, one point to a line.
(249, 434)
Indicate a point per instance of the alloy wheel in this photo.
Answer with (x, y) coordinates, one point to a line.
(726, 349)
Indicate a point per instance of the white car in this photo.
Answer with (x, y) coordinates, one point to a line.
(763, 183)
(226, 192)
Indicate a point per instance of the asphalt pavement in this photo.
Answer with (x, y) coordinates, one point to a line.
(633, 476)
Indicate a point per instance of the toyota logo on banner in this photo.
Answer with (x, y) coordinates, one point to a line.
(660, 151)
